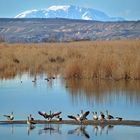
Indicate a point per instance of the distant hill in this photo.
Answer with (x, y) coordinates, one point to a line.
(69, 12)
(57, 30)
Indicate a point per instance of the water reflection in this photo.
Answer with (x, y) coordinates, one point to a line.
(30, 128)
(98, 130)
(103, 90)
(79, 131)
(62, 132)
(50, 129)
(121, 98)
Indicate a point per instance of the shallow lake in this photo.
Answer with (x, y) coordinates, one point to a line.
(23, 97)
(68, 132)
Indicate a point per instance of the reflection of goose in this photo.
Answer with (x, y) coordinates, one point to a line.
(95, 117)
(47, 79)
(35, 79)
(79, 131)
(30, 128)
(9, 117)
(80, 117)
(49, 116)
(119, 118)
(53, 77)
(49, 129)
(109, 117)
(95, 128)
(101, 128)
(109, 128)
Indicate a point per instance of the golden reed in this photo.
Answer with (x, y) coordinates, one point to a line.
(86, 59)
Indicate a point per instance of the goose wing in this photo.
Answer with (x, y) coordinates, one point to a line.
(72, 117)
(44, 114)
(8, 116)
(86, 134)
(41, 113)
(56, 114)
(110, 117)
(85, 115)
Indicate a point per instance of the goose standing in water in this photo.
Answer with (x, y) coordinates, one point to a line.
(9, 117)
(30, 120)
(49, 116)
(52, 115)
(119, 118)
(109, 117)
(59, 118)
(102, 116)
(82, 112)
(95, 117)
(80, 118)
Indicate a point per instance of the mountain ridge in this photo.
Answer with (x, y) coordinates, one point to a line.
(69, 12)
(27, 30)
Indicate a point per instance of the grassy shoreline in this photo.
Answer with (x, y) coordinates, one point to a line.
(85, 59)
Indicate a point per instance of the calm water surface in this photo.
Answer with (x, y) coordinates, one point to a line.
(68, 132)
(69, 96)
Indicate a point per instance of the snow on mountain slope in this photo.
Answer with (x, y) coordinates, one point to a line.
(68, 11)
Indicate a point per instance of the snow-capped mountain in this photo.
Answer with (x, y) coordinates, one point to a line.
(70, 12)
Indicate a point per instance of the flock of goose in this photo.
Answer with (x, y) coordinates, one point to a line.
(83, 116)
(79, 117)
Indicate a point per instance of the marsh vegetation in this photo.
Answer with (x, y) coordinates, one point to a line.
(86, 59)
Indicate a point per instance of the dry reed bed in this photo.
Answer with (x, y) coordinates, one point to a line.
(88, 59)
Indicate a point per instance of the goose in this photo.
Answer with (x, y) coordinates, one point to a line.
(53, 77)
(102, 116)
(79, 118)
(47, 79)
(109, 117)
(30, 120)
(49, 116)
(35, 79)
(95, 117)
(59, 118)
(9, 117)
(81, 114)
(119, 118)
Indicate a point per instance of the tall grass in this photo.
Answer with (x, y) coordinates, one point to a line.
(90, 59)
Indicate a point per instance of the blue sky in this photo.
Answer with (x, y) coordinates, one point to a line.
(129, 9)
